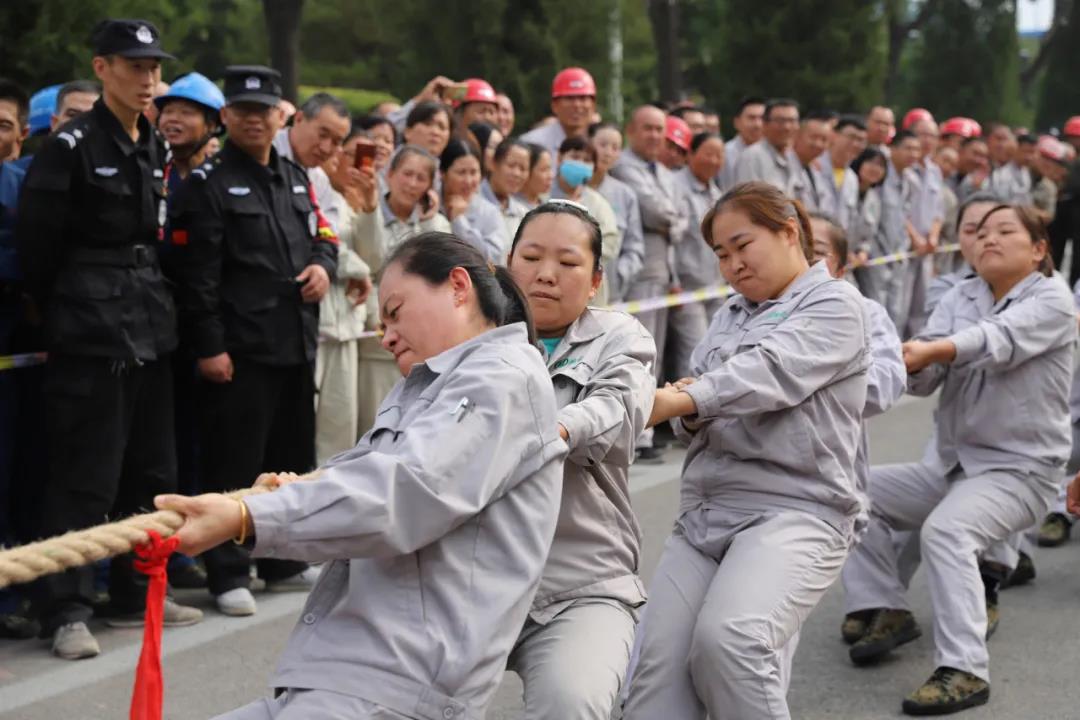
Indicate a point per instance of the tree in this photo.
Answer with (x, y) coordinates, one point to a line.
(901, 27)
(967, 62)
(283, 27)
(1060, 96)
(825, 53)
(664, 16)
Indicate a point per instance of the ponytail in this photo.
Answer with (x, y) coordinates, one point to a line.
(434, 255)
(806, 234)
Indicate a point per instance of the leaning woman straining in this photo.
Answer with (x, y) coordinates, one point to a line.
(769, 490)
(444, 511)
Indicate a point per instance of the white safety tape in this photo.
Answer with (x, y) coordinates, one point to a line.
(634, 307)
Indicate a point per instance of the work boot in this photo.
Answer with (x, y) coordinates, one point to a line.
(855, 625)
(993, 617)
(1055, 530)
(1022, 574)
(74, 642)
(173, 615)
(889, 629)
(947, 691)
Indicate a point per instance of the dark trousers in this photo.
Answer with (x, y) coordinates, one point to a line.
(110, 434)
(262, 421)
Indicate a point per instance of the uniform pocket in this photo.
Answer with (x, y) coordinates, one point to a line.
(87, 305)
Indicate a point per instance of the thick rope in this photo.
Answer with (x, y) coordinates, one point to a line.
(82, 547)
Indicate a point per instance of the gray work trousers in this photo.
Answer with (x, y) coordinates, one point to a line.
(728, 598)
(960, 518)
(572, 667)
(309, 704)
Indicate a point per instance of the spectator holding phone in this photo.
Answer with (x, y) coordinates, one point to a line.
(379, 221)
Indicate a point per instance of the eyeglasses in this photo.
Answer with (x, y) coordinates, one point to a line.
(783, 120)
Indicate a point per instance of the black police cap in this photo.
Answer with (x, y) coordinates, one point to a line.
(128, 38)
(252, 83)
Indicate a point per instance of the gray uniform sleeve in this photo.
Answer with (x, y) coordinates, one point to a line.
(618, 400)
(1025, 329)
(748, 168)
(484, 230)
(442, 469)
(938, 326)
(886, 377)
(657, 212)
(788, 364)
(632, 254)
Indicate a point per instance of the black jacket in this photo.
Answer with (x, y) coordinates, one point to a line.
(245, 231)
(89, 224)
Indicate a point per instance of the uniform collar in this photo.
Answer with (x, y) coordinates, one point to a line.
(981, 290)
(489, 194)
(389, 218)
(512, 334)
(234, 154)
(692, 182)
(783, 159)
(111, 125)
(585, 329)
(282, 144)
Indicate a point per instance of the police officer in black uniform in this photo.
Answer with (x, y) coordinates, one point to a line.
(89, 224)
(257, 258)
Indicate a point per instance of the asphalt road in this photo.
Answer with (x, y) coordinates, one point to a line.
(225, 662)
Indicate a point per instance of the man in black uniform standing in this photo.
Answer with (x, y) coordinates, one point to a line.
(90, 220)
(256, 257)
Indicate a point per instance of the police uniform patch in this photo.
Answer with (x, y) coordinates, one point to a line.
(252, 83)
(144, 35)
(239, 191)
(313, 223)
(105, 171)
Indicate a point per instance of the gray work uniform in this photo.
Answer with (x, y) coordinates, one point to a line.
(885, 283)
(483, 227)
(1011, 183)
(843, 203)
(733, 150)
(809, 186)
(549, 137)
(631, 258)
(574, 649)
(663, 223)
(927, 210)
(513, 212)
(1003, 439)
(762, 161)
(697, 267)
(434, 529)
(769, 492)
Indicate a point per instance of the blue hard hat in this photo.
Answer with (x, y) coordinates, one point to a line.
(42, 108)
(196, 88)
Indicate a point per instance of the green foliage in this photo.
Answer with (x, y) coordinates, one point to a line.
(826, 53)
(359, 101)
(1060, 97)
(966, 62)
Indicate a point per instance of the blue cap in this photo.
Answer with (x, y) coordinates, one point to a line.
(195, 88)
(42, 108)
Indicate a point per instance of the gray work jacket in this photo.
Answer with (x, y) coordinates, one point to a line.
(604, 387)
(435, 529)
(1004, 399)
(781, 389)
(662, 219)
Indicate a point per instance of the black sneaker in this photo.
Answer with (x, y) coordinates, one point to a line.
(1054, 530)
(1022, 575)
(889, 629)
(856, 624)
(650, 455)
(947, 691)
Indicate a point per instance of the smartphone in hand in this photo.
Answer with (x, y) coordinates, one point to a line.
(365, 156)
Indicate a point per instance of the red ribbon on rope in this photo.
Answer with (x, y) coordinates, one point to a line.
(151, 560)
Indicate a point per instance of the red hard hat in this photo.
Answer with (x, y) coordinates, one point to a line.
(915, 115)
(1053, 149)
(964, 127)
(573, 82)
(477, 90)
(677, 131)
(1072, 127)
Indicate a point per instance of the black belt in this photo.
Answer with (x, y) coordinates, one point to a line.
(128, 256)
